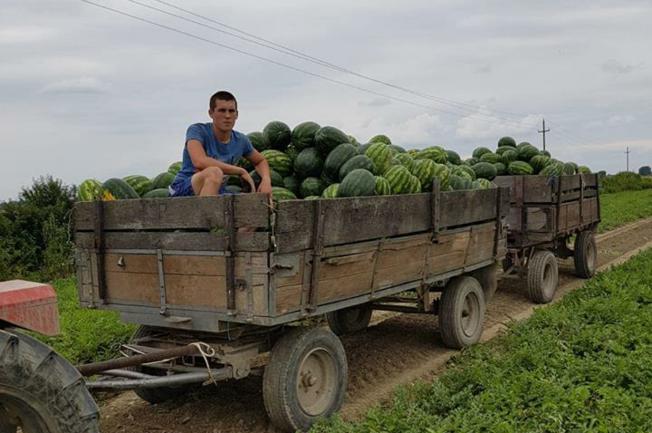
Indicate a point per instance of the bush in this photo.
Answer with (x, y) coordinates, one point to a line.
(625, 181)
(34, 232)
(645, 171)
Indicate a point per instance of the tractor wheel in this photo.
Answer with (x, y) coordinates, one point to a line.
(305, 379)
(461, 312)
(40, 392)
(349, 320)
(585, 254)
(160, 394)
(542, 277)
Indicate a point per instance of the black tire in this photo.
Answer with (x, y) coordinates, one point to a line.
(40, 391)
(289, 385)
(461, 312)
(542, 277)
(349, 320)
(160, 394)
(585, 255)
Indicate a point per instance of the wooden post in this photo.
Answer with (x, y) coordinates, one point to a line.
(99, 251)
(435, 210)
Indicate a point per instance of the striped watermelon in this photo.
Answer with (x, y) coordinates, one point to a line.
(519, 168)
(119, 189)
(258, 141)
(381, 155)
(278, 161)
(312, 197)
(458, 183)
(507, 141)
(311, 186)
(336, 159)
(277, 134)
(434, 153)
(483, 184)
(157, 193)
(508, 156)
(569, 168)
(464, 171)
(405, 160)
(414, 185)
(442, 173)
(280, 194)
(308, 163)
(140, 184)
(292, 183)
(163, 180)
(303, 135)
(424, 170)
(552, 169)
(358, 161)
(453, 157)
(89, 190)
(175, 167)
(328, 138)
(330, 191)
(539, 162)
(398, 178)
(501, 168)
(491, 157)
(380, 138)
(484, 170)
(479, 151)
(382, 186)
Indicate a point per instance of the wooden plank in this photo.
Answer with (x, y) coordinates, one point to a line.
(180, 241)
(460, 208)
(133, 287)
(251, 210)
(481, 244)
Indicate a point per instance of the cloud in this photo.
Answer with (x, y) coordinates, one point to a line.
(483, 124)
(24, 35)
(84, 85)
(613, 66)
(378, 102)
(419, 131)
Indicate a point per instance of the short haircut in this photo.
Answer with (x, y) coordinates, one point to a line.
(222, 95)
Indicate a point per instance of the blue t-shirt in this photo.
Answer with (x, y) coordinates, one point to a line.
(237, 147)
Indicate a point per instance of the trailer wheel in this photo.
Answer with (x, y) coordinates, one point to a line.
(305, 379)
(349, 320)
(160, 394)
(461, 312)
(585, 254)
(40, 392)
(542, 277)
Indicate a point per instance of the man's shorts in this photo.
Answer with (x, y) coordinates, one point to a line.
(182, 187)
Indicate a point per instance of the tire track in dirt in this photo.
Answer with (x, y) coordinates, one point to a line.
(397, 350)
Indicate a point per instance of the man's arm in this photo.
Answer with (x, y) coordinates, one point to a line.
(200, 160)
(262, 168)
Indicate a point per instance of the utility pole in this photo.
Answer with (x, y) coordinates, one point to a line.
(543, 131)
(628, 152)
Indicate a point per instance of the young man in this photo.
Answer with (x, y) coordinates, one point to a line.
(212, 150)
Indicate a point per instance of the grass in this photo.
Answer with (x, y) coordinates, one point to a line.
(624, 207)
(581, 365)
(86, 335)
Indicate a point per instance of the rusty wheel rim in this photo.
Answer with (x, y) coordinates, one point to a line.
(316, 382)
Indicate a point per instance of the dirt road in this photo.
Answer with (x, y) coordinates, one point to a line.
(398, 349)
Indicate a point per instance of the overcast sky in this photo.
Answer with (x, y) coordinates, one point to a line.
(87, 93)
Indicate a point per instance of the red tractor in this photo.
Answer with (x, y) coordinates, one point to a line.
(40, 392)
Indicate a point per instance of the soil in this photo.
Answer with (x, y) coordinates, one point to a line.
(395, 350)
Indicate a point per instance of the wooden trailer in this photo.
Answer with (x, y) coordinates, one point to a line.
(218, 281)
(550, 217)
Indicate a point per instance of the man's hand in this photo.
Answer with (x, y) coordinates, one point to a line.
(265, 185)
(244, 174)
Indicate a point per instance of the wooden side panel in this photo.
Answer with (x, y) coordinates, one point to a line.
(481, 244)
(251, 210)
(448, 253)
(84, 276)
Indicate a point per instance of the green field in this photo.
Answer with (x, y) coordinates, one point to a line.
(582, 365)
(624, 207)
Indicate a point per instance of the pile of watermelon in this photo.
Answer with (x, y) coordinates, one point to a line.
(313, 161)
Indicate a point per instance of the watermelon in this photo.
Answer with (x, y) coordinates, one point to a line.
(89, 190)
(453, 157)
(501, 168)
(519, 168)
(363, 148)
(119, 189)
(527, 152)
(381, 138)
(522, 144)
(358, 161)
(545, 152)
(459, 183)
(484, 170)
(330, 191)
(403, 159)
(353, 140)
(303, 135)
(311, 197)
(382, 186)
(583, 169)
(503, 149)
(258, 141)
(552, 169)
(311, 186)
(471, 161)
(278, 135)
(539, 162)
(175, 167)
(157, 193)
(381, 155)
(140, 184)
(163, 180)
(277, 179)
(414, 185)
(357, 183)
(398, 178)
(424, 170)
(328, 138)
(278, 161)
(434, 153)
(280, 194)
(464, 171)
(568, 168)
(308, 163)
(509, 156)
(482, 184)
(491, 157)
(336, 159)
(245, 163)
(292, 184)
(507, 141)
(396, 149)
(479, 151)
(233, 179)
(232, 189)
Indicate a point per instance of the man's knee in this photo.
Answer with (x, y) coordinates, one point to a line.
(213, 174)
